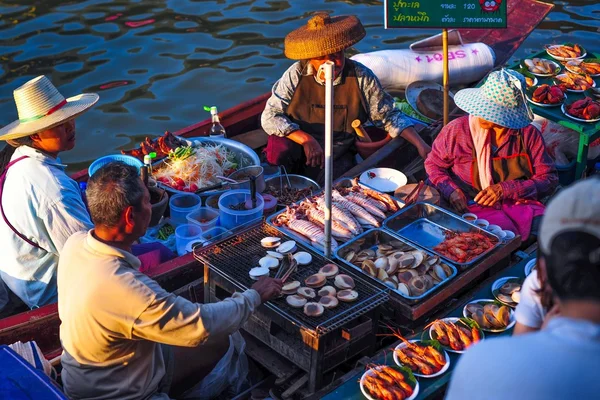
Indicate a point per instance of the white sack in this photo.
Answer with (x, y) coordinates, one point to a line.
(397, 68)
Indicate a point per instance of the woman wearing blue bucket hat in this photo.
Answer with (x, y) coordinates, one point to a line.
(494, 156)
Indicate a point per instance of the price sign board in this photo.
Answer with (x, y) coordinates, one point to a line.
(445, 14)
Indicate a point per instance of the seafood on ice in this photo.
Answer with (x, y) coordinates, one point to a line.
(465, 246)
(457, 336)
(385, 382)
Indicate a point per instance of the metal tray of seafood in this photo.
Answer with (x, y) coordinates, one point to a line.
(425, 225)
(342, 183)
(371, 239)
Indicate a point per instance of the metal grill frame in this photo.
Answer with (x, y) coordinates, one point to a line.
(378, 296)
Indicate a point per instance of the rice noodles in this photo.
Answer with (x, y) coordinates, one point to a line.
(198, 170)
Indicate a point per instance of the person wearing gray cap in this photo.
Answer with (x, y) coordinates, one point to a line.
(561, 360)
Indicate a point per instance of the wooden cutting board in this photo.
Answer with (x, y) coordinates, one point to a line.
(430, 194)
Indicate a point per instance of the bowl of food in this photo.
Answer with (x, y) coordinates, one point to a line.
(566, 52)
(590, 66)
(507, 290)
(541, 66)
(574, 82)
(426, 359)
(584, 110)
(546, 95)
(289, 189)
(399, 381)
(455, 334)
(490, 315)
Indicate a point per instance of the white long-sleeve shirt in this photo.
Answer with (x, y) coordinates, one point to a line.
(115, 317)
(44, 205)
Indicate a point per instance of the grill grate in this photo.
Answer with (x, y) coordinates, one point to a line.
(234, 257)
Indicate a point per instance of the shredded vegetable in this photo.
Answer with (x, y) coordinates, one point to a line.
(191, 168)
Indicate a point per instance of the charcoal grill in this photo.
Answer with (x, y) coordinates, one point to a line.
(315, 344)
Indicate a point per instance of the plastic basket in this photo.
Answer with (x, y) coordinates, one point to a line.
(102, 161)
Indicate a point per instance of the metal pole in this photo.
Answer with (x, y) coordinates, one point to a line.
(328, 152)
(446, 75)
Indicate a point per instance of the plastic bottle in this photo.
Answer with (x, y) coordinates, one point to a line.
(216, 130)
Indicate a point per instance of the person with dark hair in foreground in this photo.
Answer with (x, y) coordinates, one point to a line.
(119, 329)
(560, 361)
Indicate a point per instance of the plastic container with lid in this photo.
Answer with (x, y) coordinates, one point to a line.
(205, 217)
(183, 204)
(230, 218)
(187, 233)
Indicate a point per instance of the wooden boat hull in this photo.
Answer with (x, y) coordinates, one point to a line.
(42, 325)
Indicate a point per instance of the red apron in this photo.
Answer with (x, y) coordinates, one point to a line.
(2, 180)
(515, 216)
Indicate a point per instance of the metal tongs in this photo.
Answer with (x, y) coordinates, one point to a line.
(282, 168)
(413, 197)
(287, 268)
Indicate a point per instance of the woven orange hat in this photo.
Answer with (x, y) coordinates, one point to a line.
(323, 35)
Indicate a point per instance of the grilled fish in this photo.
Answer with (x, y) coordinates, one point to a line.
(311, 231)
(362, 215)
(338, 230)
(368, 204)
(343, 216)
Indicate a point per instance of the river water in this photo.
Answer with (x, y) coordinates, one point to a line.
(156, 63)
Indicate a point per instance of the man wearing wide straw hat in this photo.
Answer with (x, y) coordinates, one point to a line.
(294, 116)
(494, 156)
(40, 205)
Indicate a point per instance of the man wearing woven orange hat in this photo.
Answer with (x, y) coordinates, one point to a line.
(40, 206)
(295, 113)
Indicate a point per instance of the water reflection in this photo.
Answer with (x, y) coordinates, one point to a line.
(156, 63)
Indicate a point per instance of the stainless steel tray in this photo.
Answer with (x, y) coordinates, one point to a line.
(379, 236)
(426, 224)
(342, 183)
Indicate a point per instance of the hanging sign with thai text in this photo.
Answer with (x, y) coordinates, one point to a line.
(445, 14)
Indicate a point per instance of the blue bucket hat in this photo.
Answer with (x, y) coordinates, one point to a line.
(501, 100)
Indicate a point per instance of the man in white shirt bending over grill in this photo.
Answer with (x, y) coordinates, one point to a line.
(119, 328)
(562, 360)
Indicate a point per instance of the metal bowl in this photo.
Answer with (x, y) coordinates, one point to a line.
(243, 182)
(295, 181)
(244, 154)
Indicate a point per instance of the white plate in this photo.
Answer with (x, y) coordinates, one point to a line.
(575, 118)
(383, 179)
(368, 396)
(535, 82)
(498, 284)
(529, 266)
(565, 58)
(556, 71)
(557, 82)
(440, 372)
(455, 320)
(578, 60)
(546, 105)
(512, 320)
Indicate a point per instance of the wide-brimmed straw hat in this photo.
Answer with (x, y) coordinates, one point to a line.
(501, 100)
(41, 106)
(323, 35)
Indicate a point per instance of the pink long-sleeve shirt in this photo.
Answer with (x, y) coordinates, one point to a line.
(449, 163)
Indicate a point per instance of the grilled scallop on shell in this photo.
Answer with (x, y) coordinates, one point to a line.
(327, 291)
(329, 301)
(315, 281)
(296, 301)
(329, 270)
(290, 287)
(270, 242)
(313, 309)
(347, 295)
(344, 282)
(308, 293)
